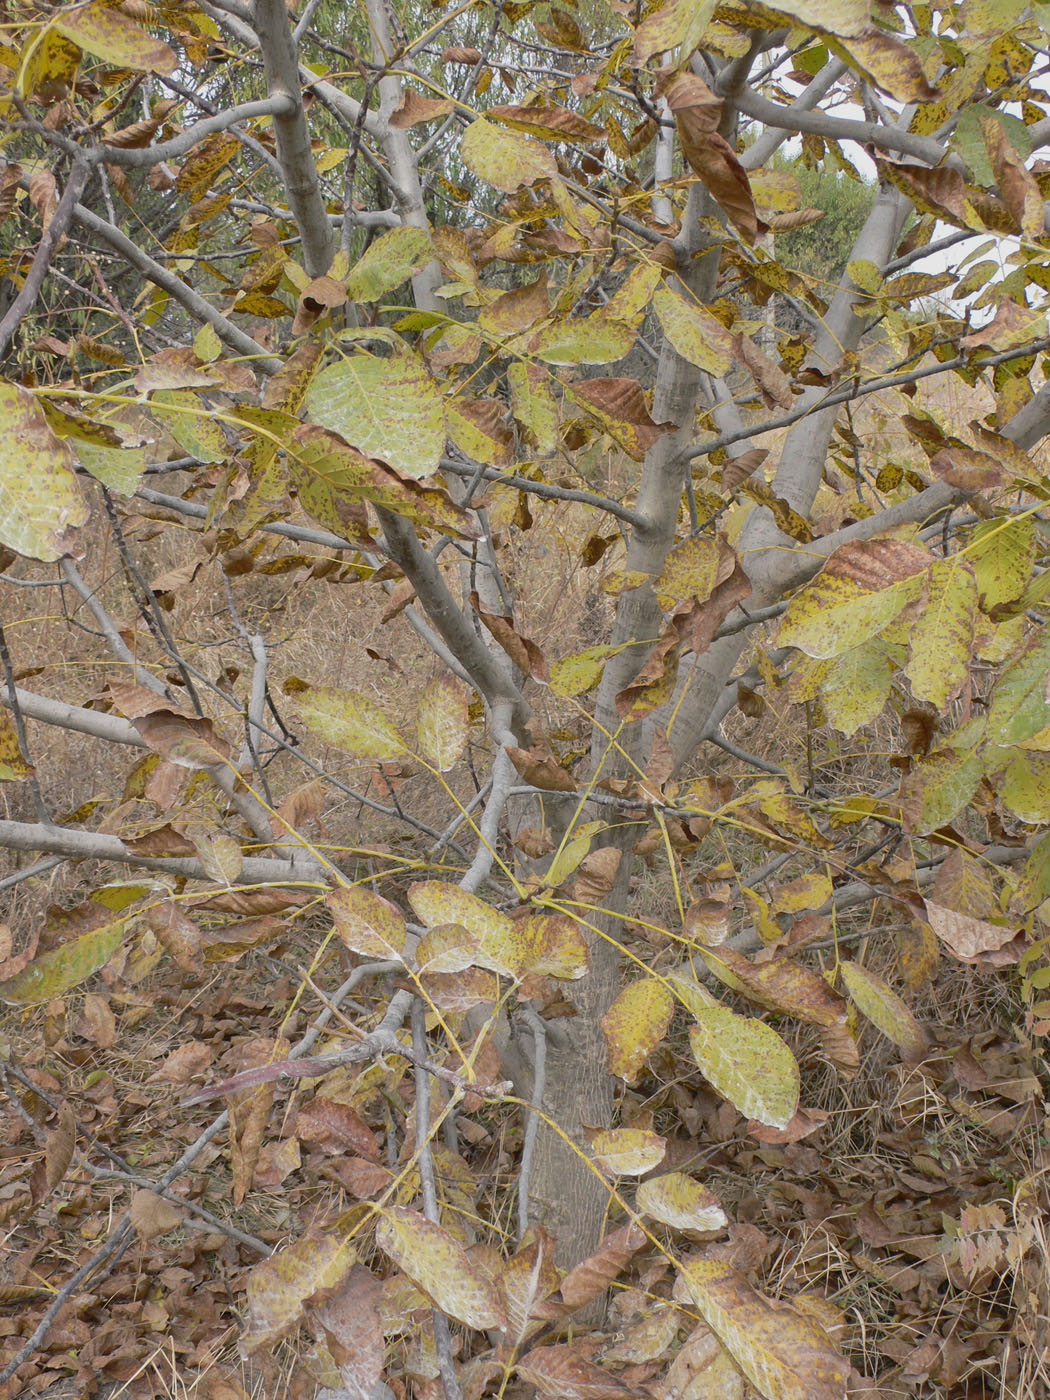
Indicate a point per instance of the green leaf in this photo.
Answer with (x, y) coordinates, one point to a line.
(389, 261)
(833, 614)
(1019, 708)
(748, 1063)
(533, 405)
(119, 468)
(1002, 553)
(856, 687)
(191, 424)
(386, 408)
(504, 158)
(100, 30)
(351, 722)
(440, 1267)
(589, 341)
(698, 336)
(40, 501)
(635, 1025)
(942, 638)
(884, 1008)
(1025, 786)
(577, 674)
(54, 973)
(937, 789)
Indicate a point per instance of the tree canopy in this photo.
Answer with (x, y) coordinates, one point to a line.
(540, 675)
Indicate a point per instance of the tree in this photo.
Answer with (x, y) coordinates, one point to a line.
(398, 389)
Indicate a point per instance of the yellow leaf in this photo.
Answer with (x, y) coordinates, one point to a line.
(503, 158)
(279, 1288)
(635, 1025)
(366, 923)
(884, 1008)
(942, 638)
(351, 722)
(440, 1267)
(626, 1151)
(785, 1356)
(698, 336)
(444, 722)
(679, 1201)
(748, 1063)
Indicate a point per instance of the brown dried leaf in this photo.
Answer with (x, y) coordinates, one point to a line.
(336, 1128)
(565, 1373)
(973, 940)
(58, 1149)
(593, 1275)
(96, 1022)
(353, 1326)
(152, 1215)
(191, 1058)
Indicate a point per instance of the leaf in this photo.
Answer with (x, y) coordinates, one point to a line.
(351, 722)
(696, 112)
(884, 1009)
(678, 22)
(440, 1267)
(386, 408)
(691, 570)
(856, 687)
(281, 1286)
(626, 1151)
(501, 946)
(40, 502)
(533, 405)
(13, 767)
(367, 924)
(577, 674)
(152, 1215)
(221, 856)
(352, 1320)
(695, 333)
(967, 938)
(58, 1149)
(564, 1373)
(942, 638)
(551, 123)
(1019, 707)
(635, 1025)
(505, 158)
(387, 262)
(444, 722)
(937, 789)
(333, 479)
(861, 589)
(336, 1129)
(846, 18)
(591, 340)
(100, 30)
(58, 971)
(784, 1355)
(591, 1277)
(556, 946)
(748, 1063)
(889, 63)
(679, 1201)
